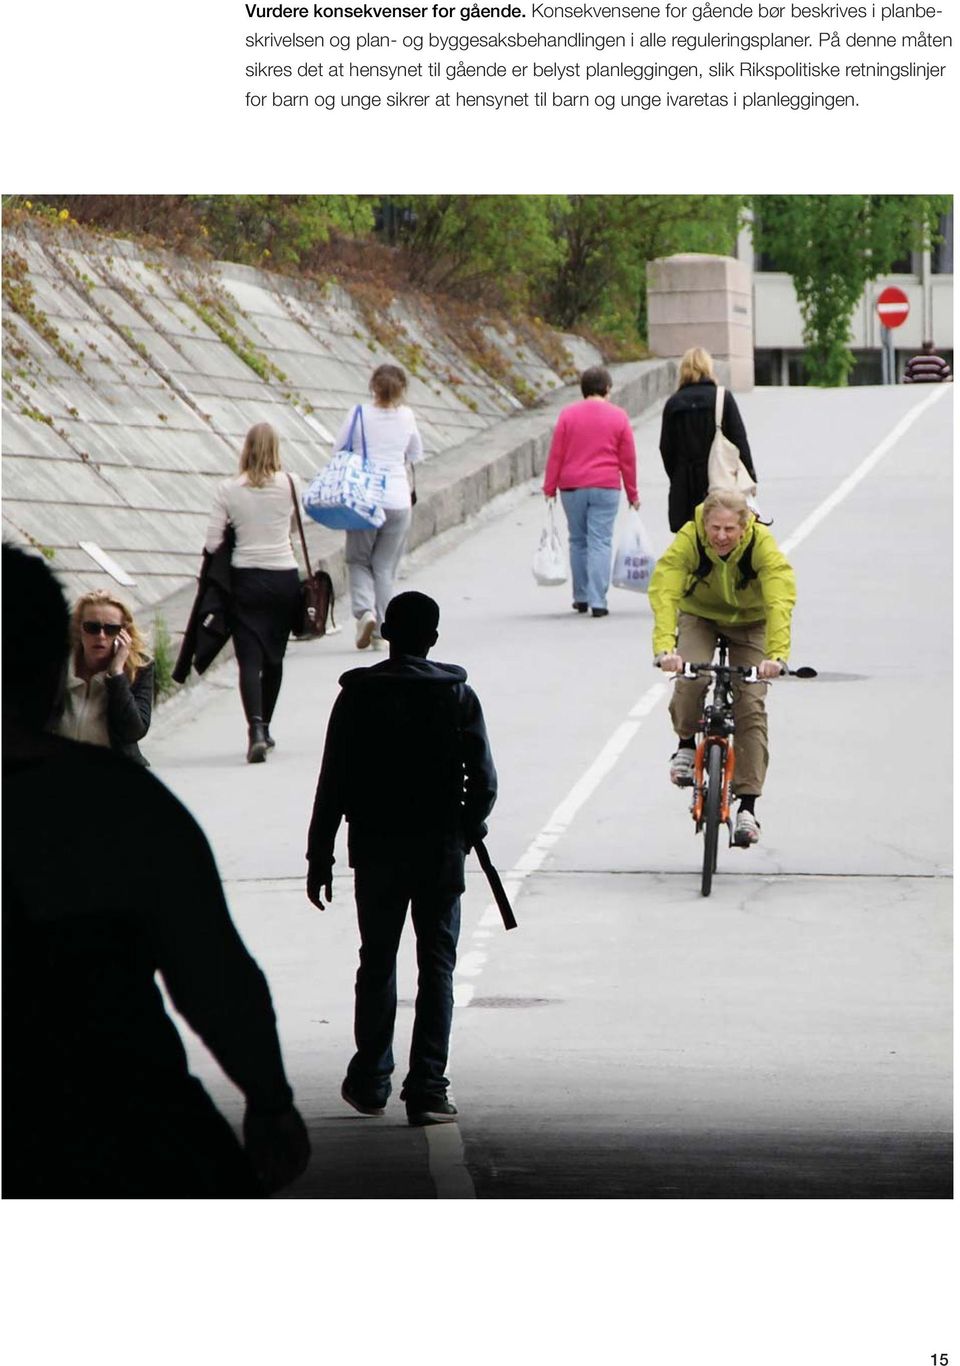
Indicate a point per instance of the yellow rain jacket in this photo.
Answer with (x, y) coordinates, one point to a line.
(770, 597)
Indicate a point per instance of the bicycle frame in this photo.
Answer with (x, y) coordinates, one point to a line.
(717, 727)
(712, 780)
(699, 786)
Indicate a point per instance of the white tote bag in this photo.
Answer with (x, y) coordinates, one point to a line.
(634, 560)
(725, 469)
(549, 561)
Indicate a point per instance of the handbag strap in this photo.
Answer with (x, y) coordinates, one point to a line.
(358, 417)
(363, 435)
(303, 539)
(718, 408)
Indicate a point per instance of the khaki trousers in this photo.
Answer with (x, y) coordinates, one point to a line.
(696, 642)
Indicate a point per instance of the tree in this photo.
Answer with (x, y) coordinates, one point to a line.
(606, 241)
(284, 228)
(833, 245)
(474, 244)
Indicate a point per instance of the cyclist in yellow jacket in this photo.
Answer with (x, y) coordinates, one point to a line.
(724, 575)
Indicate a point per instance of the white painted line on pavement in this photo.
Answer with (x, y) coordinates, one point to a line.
(448, 1171)
(862, 470)
(473, 961)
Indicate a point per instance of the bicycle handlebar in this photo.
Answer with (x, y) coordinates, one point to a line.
(749, 675)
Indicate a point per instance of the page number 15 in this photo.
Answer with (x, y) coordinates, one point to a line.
(939, 1359)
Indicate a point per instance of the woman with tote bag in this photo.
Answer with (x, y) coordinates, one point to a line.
(689, 433)
(392, 441)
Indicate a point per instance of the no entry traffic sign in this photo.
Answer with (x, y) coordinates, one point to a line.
(893, 306)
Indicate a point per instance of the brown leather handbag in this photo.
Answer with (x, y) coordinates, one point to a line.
(316, 590)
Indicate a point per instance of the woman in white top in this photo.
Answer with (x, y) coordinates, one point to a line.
(393, 442)
(258, 504)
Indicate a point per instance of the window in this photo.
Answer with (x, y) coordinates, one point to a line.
(941, 256)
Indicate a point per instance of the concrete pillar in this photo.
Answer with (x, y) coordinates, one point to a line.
(699, 300)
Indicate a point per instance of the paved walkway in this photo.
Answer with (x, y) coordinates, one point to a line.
(789, 1036)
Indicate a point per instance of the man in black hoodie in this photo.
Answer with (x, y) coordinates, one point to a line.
(407, 763)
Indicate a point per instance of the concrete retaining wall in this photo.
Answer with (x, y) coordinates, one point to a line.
(131, 377)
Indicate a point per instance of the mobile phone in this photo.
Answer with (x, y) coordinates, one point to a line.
(116, 644)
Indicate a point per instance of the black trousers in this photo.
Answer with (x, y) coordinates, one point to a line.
(264, 603)
(383, 892)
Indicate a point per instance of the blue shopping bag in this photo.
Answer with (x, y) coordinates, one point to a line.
(348, 494)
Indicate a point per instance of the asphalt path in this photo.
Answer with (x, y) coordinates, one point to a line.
(787, 1037)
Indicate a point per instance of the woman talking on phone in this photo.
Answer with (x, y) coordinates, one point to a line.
(109, 692)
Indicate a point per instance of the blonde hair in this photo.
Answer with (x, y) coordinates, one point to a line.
(260, 457)
(695, 365)
(728, 499)
(138, 656)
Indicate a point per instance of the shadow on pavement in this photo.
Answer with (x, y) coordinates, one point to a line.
(678, 1166)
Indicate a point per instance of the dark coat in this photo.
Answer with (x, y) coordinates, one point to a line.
(407, 762)
(129, 709)
(686, 435)
(208, 628)
(85, 1031)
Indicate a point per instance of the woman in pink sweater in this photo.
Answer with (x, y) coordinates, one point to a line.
(591, 453)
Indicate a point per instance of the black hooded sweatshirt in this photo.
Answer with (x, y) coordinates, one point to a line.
(407, 763)
(686, 435)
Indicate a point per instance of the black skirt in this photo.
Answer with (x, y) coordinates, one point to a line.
(264, 606)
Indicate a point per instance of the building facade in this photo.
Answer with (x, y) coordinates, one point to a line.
(925, 277)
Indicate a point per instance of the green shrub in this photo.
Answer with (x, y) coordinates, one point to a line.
(163, 658)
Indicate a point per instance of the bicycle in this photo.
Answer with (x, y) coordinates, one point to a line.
(715, 756)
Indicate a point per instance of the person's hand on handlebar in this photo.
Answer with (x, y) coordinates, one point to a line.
(771, 668)
(670, 663)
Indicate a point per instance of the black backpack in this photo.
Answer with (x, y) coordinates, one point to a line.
(745, 566)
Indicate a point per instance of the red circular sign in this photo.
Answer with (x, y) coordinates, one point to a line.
(893, 306)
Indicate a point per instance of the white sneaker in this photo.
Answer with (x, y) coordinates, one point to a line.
(681, 767)
(377, 641)
(366, 625)
(747, 829)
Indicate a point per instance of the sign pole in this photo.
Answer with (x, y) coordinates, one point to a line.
(893, 309)
(889, 357)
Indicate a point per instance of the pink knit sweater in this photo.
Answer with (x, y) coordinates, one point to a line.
(592, 448)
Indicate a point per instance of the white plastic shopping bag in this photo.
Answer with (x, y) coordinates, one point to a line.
(634, 559)
(549, 561)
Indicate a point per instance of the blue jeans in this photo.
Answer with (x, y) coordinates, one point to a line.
(383, 893)
(591, 514)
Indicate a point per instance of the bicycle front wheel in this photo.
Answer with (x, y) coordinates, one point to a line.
(711, 816)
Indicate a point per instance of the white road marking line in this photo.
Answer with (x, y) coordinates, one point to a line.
(448, 1171)
(862, 470)
(531, 860)
(536, 852)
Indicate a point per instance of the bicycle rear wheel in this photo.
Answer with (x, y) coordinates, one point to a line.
(711, 816)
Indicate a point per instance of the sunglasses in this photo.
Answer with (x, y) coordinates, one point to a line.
(94, 628)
